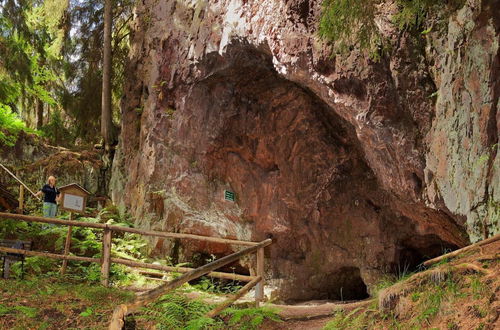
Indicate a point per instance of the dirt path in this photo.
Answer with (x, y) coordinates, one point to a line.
(314, 324)
(313, 310)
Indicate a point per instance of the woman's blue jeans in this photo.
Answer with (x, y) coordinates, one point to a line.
(49, 210)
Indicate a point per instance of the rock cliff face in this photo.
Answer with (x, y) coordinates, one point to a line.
(354, 167)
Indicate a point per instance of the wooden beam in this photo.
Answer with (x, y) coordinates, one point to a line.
(67, 245)
(21, 198)
(259, 290)
(54, 221)
(216, 311)
(18, 180)
(184, 236)
(106, 256)
(173, 269)
(125, 229)
(117, 320)
(462, 250)
(49, 255)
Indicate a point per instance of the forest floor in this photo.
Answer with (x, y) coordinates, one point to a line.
(456, 293)
(52, 303)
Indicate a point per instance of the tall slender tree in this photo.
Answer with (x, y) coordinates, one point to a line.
(106, 111)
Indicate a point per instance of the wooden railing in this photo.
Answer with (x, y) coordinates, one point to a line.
(189, 273)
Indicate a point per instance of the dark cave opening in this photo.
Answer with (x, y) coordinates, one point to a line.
(199, 259)
(346, 284)
(413, 252)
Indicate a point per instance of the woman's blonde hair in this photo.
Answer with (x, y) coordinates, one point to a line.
(51, 177)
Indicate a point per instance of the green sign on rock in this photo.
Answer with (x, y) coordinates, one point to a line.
(229, 195)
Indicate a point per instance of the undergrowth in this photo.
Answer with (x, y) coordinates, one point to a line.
(48, 302)
(174, 311)
(84, 242)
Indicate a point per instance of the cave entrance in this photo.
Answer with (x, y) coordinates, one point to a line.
(346, 284)
(415, 251)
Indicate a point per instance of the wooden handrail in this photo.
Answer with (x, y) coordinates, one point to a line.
(31, 218)
(70, 223)
(117, 320)
(49, 255)
(174, 269)
(54, 221)
(179, 235)
(18, 180)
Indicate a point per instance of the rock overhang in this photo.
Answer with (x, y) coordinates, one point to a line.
(363, 205)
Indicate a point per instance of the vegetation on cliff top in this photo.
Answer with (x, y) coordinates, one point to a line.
(350, 23)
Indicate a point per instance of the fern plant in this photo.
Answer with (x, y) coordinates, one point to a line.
(174, 311)
(251, 318)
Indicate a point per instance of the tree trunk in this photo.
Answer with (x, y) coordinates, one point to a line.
(39, 114)
(106, 117)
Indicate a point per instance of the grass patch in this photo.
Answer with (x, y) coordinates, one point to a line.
(356, 319)
(478, 288)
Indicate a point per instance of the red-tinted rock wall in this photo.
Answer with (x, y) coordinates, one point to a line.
(329, 156)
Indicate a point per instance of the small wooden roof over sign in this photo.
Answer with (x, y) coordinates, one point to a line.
(74, 186)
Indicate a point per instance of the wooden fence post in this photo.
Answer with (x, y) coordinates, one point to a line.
(21, 199)
(259, 288)
(106, 256)
(67, 245)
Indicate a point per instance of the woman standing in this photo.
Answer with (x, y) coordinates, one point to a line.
(51, 197)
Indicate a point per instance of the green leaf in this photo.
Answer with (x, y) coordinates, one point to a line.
(426, 31)
(87, 312)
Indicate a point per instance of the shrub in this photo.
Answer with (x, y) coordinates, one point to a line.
(10, 126)
(348, 23)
